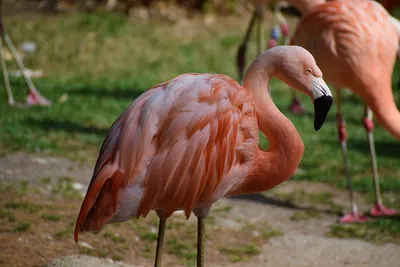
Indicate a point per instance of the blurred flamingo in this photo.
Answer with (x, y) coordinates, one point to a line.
(188, 142)
(303, 6)
(355, 43)
(34, 97)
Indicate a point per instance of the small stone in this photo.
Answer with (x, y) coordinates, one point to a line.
(85, 245)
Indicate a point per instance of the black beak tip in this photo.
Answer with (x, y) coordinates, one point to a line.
(322, 106)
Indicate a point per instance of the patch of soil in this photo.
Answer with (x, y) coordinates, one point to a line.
(34, 168)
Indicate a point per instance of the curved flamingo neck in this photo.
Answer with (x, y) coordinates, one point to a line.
(279, 162)
(305, 6)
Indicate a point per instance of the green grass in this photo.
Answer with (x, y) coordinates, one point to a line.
(51, 217)
(305, 215)
(25, 206)
(21, 227)
(240, 253)
(114, 237)
(184, 250)
(101, 62)
(377, 231)
(301, 196)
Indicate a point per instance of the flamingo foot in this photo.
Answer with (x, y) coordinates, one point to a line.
(379, 210)
(296, 107)
(35, 99)
(353, 218)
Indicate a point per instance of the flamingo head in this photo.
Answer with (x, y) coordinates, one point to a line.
(299, 70)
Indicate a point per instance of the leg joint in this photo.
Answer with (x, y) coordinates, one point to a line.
(368, 124)
(341, 124)
(285, 29)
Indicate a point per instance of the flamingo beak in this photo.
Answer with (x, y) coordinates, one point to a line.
(322, 101)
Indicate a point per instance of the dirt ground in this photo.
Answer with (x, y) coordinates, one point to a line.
(289, 226)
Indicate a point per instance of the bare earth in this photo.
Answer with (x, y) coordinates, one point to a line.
(301, 240)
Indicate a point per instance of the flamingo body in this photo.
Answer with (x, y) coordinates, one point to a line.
(185, 143)
(175, 139)
(355, 43)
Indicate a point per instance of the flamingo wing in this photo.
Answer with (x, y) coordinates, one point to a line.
(170, 150)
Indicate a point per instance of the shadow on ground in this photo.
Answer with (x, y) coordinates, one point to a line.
(67, 126)
(259, 198)
(119, 93)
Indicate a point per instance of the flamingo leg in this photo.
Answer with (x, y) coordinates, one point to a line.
(200, 241)
(34, 97)
(295, 107)
(241, 56)
(10, 96)
(260, 11)
(378, 209)
(110, 6)
(354, 216)
(160, 242)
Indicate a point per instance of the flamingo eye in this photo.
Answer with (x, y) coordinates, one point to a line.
(309, 70)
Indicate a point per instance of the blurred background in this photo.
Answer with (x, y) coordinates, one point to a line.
(91, 59)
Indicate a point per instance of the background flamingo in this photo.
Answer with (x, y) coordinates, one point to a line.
(355, 44)
(188, 142)
(34, 97)
(303, 6)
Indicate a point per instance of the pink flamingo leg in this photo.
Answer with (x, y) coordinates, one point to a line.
(354, 216)
(378, 209)
(295, 107)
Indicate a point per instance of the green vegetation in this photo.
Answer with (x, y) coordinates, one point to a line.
(305, 215)
(7, 214)
(50, 217)
(21, 227)
(240, 253)
(301, 196)
(25, 206)
(67, 232)
(378, 231)
(185, 251)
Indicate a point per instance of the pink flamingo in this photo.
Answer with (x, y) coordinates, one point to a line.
(355, 44)
(192, 140)
(34, 97)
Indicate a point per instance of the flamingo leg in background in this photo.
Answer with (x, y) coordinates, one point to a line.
(200, 241)
(295, 107)
(34, 97)
(260, 11)
(160, 242)
(241, 56)
(10, 96)
(354, 216)
(379, 209)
